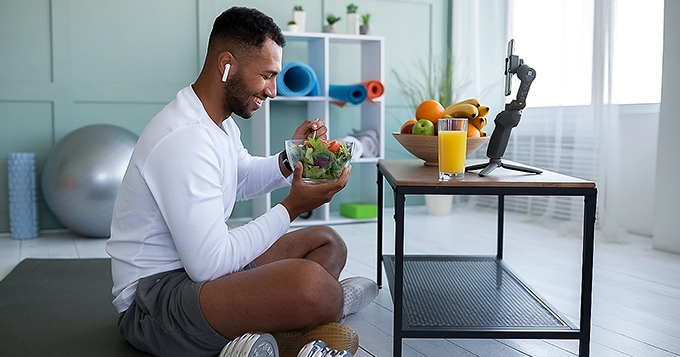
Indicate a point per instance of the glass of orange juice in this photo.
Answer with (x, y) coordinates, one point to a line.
(452, 133)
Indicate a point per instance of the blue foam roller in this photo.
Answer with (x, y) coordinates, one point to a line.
(23, 206)
(353, 93)
(297, 79)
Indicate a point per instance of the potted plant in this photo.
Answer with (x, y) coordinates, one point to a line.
(431, 80)
(300, 17)
(332, 19)
(352, 19)
(365, 29)
(293, 26)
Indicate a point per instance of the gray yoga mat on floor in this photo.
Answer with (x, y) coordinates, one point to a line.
(60, 307)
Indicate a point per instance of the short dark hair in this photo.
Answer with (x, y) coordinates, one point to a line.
(240, 29)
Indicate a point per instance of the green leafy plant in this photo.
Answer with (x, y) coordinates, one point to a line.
(297, 8)
(365, 19)
(332, 19)
(292, 22)
(352, 8)
(431, 83)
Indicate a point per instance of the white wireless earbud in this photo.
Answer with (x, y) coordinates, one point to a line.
(226, 72)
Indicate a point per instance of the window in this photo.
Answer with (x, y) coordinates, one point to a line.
(565, 127)
(637, 51)
(555, 37)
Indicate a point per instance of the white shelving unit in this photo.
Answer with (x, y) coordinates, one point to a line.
(372, 115)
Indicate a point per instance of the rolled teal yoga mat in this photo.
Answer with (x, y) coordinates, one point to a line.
(297, 79)
(353, 93)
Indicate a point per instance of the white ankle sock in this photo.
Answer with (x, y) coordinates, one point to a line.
(358, 293)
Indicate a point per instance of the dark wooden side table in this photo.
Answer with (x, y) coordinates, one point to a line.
(438, 296)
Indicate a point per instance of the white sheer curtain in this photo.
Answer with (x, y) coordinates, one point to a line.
(479, 40)
(570, 124)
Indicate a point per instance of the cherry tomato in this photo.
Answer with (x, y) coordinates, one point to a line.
(333, 146)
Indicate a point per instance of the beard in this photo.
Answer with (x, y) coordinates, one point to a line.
(237, 97)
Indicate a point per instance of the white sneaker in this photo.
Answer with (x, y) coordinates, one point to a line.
(358, 293)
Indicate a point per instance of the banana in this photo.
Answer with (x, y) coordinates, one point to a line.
(478, 122)
(483, 111)
(463, 110)
(482, 133)
(472, 101)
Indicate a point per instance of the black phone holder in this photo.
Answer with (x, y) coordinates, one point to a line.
(508, 118)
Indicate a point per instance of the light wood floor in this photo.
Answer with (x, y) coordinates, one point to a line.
(636, 304)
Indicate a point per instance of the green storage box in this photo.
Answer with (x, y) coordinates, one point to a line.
(358, 210)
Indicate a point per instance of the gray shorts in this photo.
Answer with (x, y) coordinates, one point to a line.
(165, 318)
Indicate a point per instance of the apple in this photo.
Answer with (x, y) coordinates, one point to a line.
(407, 126)
(423, 127)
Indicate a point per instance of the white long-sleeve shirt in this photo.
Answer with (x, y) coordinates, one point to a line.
(179, 189)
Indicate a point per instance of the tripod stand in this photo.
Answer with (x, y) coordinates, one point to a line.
(508, 118)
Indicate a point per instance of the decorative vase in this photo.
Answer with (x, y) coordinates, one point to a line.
(300, 18)
(329, 29)
(365, 29)
(352, 24)
(293, 28)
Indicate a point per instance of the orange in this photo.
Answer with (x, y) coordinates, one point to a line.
(431, 110)
(472, 131)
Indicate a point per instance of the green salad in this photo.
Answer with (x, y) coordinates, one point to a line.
(321, 159)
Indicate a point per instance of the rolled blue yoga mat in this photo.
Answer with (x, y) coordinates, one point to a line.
(297, 79)
(353, 93)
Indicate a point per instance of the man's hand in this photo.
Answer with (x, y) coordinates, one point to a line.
(307, 129)
(305, 197)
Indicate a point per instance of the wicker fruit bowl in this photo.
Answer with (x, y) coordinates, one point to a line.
(426, 147)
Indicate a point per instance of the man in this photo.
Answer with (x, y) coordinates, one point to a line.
(184, 282)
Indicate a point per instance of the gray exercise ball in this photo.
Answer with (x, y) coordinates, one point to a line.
(82, 174)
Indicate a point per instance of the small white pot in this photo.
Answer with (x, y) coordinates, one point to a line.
(294, 28)
(300, 18)
(353, 24)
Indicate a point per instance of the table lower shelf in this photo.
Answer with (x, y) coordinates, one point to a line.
(470, 293)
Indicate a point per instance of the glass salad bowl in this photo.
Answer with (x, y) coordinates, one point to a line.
(322, 160)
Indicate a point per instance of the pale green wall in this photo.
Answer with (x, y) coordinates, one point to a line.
(65, 64)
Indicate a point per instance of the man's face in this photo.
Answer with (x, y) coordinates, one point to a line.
(254, 81)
